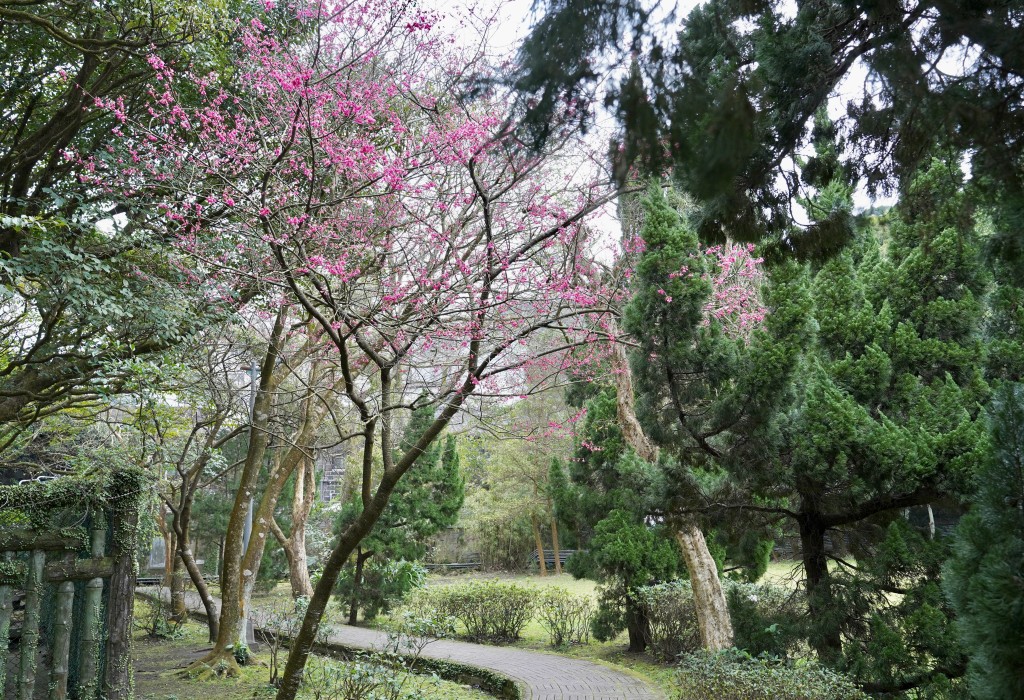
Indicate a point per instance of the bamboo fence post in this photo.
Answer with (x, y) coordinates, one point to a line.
(6, 608)
(88, 658)
(62, 641)
(30, 627)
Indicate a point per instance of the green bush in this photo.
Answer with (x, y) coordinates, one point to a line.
(383, 585)
(484, 610)
(766, 619)
(672, 616)
(734, 675)
(565, 616)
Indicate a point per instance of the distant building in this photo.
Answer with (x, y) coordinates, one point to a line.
(331, 467)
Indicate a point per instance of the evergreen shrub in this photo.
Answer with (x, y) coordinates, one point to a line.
(672, 616)
(766, 619)
(734, 675)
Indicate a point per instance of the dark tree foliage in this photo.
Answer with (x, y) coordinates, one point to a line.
(610, 498)
(731, 97)
(887, 418)
(426, 501)
(985, 578)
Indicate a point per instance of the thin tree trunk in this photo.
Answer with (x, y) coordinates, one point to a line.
(373, 506)
(231, 575)
(555, 545)
(357, 582)
(179, 610)
(295, 544)
(708, 596)
(540, 546)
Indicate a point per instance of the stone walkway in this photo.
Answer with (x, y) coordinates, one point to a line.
(540, 676)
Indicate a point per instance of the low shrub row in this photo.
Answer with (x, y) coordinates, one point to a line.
(497, 611)
(734, 675)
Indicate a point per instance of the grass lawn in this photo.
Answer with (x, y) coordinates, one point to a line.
(158, 664)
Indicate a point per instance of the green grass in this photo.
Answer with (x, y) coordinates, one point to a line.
(159, 662)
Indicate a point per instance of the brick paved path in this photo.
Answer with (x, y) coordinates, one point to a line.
(540, 676)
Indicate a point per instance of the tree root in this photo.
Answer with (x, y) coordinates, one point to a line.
(216, 664)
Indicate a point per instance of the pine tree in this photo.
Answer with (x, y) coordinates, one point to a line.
(887, 419)
(985, 578)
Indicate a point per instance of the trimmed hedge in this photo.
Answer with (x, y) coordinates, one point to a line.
(495, 611)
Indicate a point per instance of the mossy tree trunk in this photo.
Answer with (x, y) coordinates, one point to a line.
(118, 676)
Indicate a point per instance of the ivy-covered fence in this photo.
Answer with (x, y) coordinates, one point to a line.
(67, 580)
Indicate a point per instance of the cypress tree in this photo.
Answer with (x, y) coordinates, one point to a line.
(985, 577)
(887, 419)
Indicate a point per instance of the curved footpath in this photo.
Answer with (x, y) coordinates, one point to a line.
(540, 676)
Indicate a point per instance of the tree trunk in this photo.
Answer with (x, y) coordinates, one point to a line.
(824, 629)
(295, 544)
(638, 627)
(165, 533)
(540, 546)
(357, 582)
(555, 546)
(297, 457)
(708, 597)
(118, 676)
(179, 610)
(373, 506)
(231, 575)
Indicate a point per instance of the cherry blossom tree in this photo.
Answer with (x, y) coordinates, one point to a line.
(342, 171)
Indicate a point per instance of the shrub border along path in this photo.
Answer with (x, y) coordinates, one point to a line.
(539, 675)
